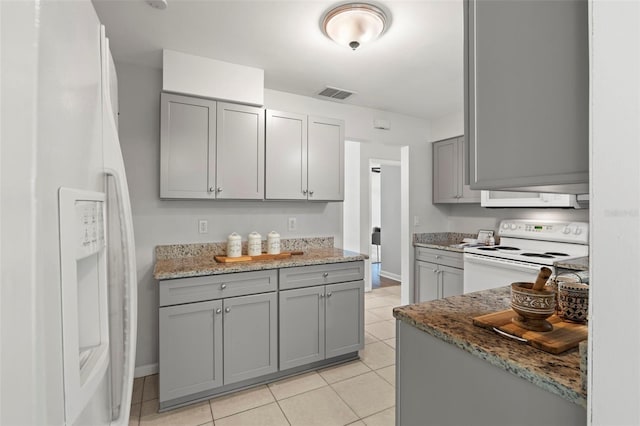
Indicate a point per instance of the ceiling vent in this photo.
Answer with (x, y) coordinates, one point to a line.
(335, 93)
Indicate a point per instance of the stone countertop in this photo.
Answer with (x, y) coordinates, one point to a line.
(577, 264)
(441, 240)
(195, 266)
(450, 320)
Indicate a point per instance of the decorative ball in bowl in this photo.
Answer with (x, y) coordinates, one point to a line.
(573, 301)
(532, 306)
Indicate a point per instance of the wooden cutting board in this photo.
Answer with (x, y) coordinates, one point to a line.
(260, 258)
(564, 336)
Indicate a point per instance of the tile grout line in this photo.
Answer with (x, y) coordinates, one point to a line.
(279, 406)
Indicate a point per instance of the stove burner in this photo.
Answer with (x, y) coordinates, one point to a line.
(507, 248)
(488, 248)
(543, 255)
(554, 253)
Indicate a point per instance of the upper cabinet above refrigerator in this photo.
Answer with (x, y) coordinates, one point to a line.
(527, 94)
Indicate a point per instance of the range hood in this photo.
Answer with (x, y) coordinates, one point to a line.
(504, 199)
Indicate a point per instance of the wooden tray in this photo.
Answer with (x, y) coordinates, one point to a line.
(564, 336)
(260, 258)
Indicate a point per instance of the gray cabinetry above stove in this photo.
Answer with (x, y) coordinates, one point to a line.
(449, 168)
(527, 94)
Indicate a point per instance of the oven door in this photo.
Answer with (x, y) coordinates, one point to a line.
(484, 272)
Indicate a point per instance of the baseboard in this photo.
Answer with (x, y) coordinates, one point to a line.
(145, 370)
(390, 275)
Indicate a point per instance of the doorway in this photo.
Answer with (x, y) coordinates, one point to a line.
(384, 214)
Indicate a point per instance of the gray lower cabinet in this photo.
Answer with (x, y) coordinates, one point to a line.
(205, 345)
(190, 349)
(320, 322)
(438, 274)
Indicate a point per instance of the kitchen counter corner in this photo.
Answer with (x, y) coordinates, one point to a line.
(451, 320)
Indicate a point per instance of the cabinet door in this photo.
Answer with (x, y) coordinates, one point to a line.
(187, 147)
(250, 339)
(302, 327)
(344, 318)
(240, 152)
(527, 102)
(190, 349)
(468, 195)
(426, 281)
(286, 156)
(451, 281)
(326, 159)
(446, 171)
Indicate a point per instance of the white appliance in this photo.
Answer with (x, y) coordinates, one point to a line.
(69, 296)
(528, 199)
(525, 246)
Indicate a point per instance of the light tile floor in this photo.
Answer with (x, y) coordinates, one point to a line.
(356, 393)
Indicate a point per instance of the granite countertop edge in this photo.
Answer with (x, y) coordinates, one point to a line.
(441, 245)
(544, 382)
(167, 269)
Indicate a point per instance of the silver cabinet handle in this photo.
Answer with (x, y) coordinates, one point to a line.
(304, 191)
(227, 310)
(329, 294)
(435, 271)
(212, 189)
(223, 286)
(326, 274)
(321, 295)
(437, 256)
(218, 189)
(310, 193)
(218, 311)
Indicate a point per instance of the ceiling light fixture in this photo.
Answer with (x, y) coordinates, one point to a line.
(354, 24)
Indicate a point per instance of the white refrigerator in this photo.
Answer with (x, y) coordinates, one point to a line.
(68, 296)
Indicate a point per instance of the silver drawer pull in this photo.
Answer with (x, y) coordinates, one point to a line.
(437, 256)
(304, 192)
(227, 310)
(326, 274)
(218, 311)
(219, 189)
(223, 286)
(329, 294)
(211, 189)
(311, 193)
(321, 295)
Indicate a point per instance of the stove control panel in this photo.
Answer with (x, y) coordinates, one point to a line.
(572, 232)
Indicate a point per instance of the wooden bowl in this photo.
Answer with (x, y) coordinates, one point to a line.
(533, 307)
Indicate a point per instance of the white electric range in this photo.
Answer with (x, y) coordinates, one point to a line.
(525, 246)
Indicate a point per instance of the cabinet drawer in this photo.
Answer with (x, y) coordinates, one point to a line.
(306, 276)
(441, 257)
(187, 290)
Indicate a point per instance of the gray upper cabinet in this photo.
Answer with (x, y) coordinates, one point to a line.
(190, 349)
(527, 93)
(326, 159)
(210, 150)
(449, 173)
(286, 156)
(250, 336)
(304, 157)
(187, 147)
(240, 152)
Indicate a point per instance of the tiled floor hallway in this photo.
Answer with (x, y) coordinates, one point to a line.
(358, 393)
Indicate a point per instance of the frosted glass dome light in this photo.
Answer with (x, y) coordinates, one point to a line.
(354, 24)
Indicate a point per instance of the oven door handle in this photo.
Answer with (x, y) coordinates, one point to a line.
(500, 263)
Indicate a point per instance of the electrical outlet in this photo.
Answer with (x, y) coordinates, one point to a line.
(292, 224)
(203, 226)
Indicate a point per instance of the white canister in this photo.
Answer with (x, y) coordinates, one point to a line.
(255, 244)
(234, 245)
(273, 243)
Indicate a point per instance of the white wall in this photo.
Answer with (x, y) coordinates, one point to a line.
(449, 126)
(351, 206)
(614, 316)
(390, 220)
(168, 222)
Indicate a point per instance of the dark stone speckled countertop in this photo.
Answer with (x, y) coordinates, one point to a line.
(450, 320)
